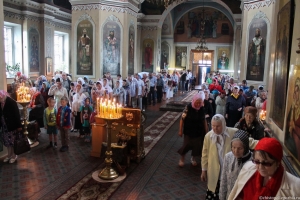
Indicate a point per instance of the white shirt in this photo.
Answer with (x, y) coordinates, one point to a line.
(140, 85)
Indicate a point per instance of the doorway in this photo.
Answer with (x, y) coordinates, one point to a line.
(202, 63)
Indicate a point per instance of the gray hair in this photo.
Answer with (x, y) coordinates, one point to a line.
(220, 118)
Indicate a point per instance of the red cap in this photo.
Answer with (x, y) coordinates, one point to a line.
(271, 146)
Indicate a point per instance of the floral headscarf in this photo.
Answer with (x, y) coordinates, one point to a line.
(3, 94)
(199, 95)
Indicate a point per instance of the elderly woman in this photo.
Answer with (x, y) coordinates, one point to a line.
(193, 125)
(58, 91)
(260, 100)
(10, 123)
(250, 124)
(234, 107)
(217, 143)
(265, 177)
(233, 162)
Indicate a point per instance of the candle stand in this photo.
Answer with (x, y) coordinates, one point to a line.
(25, 116)
(108, 173)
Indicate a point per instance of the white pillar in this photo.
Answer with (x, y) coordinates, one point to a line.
(3, 85)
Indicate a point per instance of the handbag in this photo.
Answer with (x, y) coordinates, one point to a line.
(174, 83)
(21, 144)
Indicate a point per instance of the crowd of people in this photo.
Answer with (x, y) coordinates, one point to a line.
(64, 105)
(238, 160)
(220, 125)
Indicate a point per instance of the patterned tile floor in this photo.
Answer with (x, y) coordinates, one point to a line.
(45, 173)
(159, 177)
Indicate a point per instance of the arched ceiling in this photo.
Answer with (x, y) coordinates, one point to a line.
(153, 9)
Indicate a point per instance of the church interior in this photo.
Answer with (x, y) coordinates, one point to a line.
(253, 40)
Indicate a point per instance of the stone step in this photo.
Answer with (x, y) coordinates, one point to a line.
(171, 108)
(178, 103)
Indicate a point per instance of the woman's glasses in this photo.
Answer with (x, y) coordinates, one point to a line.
(266, 164)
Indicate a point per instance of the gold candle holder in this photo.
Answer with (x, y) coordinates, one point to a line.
(110, 112)
(23, 98)
(108, 173)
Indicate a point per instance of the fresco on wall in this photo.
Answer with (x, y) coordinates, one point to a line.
(147, 55)
(180, 57)
(165, 52)
(292, 131)
(213, 24)
(131, 50)
(149, 8)
(85, 48)
(111, 47)
(34, 45)
(281, 63)
(256, 50)
(223, 57)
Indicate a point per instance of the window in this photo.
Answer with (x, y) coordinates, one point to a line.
(8, 45)
(59, 52)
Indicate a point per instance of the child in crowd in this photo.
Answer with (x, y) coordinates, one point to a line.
(85, 113)
(63, 123)
(50, 122)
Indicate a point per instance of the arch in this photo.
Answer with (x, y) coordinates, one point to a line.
(216, 4)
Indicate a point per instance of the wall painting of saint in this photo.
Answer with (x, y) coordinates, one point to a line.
(33, 50)
(131, 50)
(85, 48)
(148, 55)
(223, 58)
(292, 130)
(181, 57)
(111, 47)
(256, 50)
(281, 63)
(165, 51)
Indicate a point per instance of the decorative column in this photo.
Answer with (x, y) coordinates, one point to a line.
(3, 85)
(237, 52)
(3, 150)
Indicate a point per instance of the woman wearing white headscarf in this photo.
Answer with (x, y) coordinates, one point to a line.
(78, 99)
(217, 143)
(58, 91)
(85, 87)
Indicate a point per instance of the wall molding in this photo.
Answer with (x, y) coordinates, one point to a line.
(37, 19)
(256, 4)
(147, 28)
(104, 8)
(260, 15)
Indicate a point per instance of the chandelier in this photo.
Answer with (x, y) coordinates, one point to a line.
(165, 3)
(201, 45)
